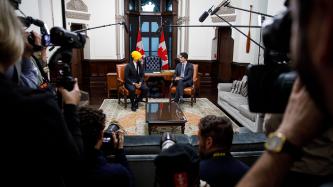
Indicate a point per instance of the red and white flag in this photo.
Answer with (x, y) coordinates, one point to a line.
(139, 44)
(163, 53)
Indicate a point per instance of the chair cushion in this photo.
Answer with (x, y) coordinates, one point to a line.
(124, 91)
(173, 89)
(245, 111)
(187, 90)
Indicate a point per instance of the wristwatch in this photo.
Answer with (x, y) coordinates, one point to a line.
(278, 143)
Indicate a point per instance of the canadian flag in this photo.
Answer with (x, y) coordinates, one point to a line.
(139, 45)
(163, 53)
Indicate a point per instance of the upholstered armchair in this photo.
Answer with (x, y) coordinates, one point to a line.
(189, 91)
(121, 89)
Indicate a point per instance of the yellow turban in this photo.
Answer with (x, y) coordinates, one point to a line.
(136, 55)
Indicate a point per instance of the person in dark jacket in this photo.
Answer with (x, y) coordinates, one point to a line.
(134, 79)
(183, 76)
(41, 145)
(98, 171)
(218, 167)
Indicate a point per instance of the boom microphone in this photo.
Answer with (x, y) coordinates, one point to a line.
(204, 16)
(223, 3)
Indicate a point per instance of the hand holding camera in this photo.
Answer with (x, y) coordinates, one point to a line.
(300, 115)
(72, 96)
(118, 139)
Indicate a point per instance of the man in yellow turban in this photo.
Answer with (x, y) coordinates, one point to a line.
(134, 79)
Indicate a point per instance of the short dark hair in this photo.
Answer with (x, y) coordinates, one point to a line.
(92, 123)
(219, 128)
(184, 54)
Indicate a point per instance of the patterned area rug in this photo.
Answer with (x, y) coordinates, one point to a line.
(134, 123)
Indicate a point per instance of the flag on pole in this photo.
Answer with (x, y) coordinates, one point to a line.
(139, 44)
(163, 53)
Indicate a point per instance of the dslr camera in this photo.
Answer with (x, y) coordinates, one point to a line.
(108, 145)
(269, 85)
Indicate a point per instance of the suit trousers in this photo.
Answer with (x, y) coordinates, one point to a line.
(131, 89)
(180, 88)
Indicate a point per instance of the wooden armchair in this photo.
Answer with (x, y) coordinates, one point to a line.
(121, 89)
(190, 91)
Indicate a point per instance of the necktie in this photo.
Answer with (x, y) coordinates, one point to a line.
(182, 71)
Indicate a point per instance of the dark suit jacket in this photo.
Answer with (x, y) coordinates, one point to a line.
(131, 74)
(188, 74)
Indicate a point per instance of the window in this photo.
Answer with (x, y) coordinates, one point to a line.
(150, 5)
(168, 7)
(132, 5)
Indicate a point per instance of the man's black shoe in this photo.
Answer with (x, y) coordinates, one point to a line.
(133, 108)
(181, 101)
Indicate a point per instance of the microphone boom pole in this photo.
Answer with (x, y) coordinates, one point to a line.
(91, 28)
(239, 31)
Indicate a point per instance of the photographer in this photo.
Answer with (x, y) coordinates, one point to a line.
(98, 172)
(217, 166)
(309, 104)
(41, 145)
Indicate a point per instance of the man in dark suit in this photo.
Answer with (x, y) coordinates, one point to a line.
(134, 79)
(183, 76)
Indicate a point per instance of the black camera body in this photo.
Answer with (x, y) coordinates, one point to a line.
(108, 145)
(60, 62)
(270, 85)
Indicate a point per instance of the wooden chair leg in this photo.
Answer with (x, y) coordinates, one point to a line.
(191, 100)
(118, 98)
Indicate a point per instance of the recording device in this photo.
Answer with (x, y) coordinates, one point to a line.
(108, 145)
(60, 61)
(177, 164)
(204, 15)
(167, 140)
(269, 85)
(223, 3)
(27, 22)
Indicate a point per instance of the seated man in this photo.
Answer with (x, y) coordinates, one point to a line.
(134, 79)
(183, 76)
(97, 170)
(218, 167)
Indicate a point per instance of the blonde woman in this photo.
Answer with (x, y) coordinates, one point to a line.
(40, 145)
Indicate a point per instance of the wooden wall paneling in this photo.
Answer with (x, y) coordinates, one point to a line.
(225, 50)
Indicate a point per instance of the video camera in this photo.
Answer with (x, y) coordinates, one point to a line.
(269, 85)
(60, 62)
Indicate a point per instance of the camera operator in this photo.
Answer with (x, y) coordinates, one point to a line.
(217, 166)
(311, 99)
(32, 73)
(98, 172)
(41, 145)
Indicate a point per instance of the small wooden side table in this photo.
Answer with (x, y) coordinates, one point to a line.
(111, 83)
